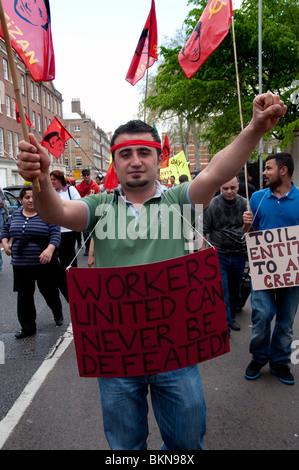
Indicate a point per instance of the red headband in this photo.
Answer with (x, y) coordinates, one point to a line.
(146, 143)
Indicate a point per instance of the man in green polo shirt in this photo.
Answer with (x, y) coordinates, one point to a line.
(129, 228)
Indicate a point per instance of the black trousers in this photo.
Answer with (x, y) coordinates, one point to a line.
(25, 278)
(67, 250)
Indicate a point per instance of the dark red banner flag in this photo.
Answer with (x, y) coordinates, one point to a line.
(146, 52)
(55, 138)
(209, 32)
(166, 150)
(29, 123)
(111, 180)
(29, 28)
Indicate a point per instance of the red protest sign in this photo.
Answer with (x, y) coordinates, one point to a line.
(148, 319)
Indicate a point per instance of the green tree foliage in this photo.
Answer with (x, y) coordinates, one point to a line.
(210, 97)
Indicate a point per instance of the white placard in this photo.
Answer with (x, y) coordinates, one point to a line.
(274, 257)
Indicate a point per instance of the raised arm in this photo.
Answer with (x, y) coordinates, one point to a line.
(33, 162)
(267, 110)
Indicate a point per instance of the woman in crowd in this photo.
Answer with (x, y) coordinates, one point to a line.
(67, 252)
(31, 243)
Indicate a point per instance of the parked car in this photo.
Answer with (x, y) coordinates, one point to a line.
(15, 190)
(12, 202)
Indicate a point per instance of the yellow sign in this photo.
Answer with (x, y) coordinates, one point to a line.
(177, 166)
(77, 174)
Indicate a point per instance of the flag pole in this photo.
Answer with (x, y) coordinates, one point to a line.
(17, 91)
(146, 88)
(260, 53)
(240, 106)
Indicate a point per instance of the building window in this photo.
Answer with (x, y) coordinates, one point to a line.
(1, 142)
(7, 104)
(78, 160)
(77, 127)
(5, 69)
(33, 118)
(32, 90)
(49, 105)
(77, 142)
(37, 94)
(16, 138)
(10, 143)
(39, 124)
(14, 114)
(23, 84)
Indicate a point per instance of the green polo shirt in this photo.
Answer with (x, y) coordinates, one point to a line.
(124, 237)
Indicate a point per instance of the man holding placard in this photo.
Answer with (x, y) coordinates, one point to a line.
(136, 149)
(275, 207)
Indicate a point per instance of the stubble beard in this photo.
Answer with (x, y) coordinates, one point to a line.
(136, 183)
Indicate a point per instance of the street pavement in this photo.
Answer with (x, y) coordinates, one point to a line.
(65, 413)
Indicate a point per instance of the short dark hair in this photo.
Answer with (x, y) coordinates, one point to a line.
(136, 126)
(183, 178)
(23, 191)
(59, 175)
(86, 171)
(283, 159)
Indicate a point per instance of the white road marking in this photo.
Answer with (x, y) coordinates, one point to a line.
(10, 421)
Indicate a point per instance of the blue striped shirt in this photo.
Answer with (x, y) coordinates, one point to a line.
(19, 226)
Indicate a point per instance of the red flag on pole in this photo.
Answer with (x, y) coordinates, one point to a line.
(29, 28)
(209, 32)
(55, 138)
(166, 150)
(29, 123)
(146, 52)
(111, 180)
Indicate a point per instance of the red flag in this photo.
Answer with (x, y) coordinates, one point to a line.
(29, 27)
(111, 180)
(29, 123)
(166, 150)
(55, 138)
(209, 32)
(146, 52)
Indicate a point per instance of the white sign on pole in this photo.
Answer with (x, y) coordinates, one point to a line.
(273, 257)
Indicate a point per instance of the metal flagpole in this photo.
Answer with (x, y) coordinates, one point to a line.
(240, 105)
(260, 88)
(146, 88)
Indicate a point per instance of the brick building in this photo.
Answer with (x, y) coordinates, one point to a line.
(41, 102)
(90, 146)
(190, 153)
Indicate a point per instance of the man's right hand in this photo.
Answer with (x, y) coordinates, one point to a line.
(33, 160)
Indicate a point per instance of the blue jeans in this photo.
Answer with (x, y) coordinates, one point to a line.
(231, 268)
(178, 403)
(265, 305)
